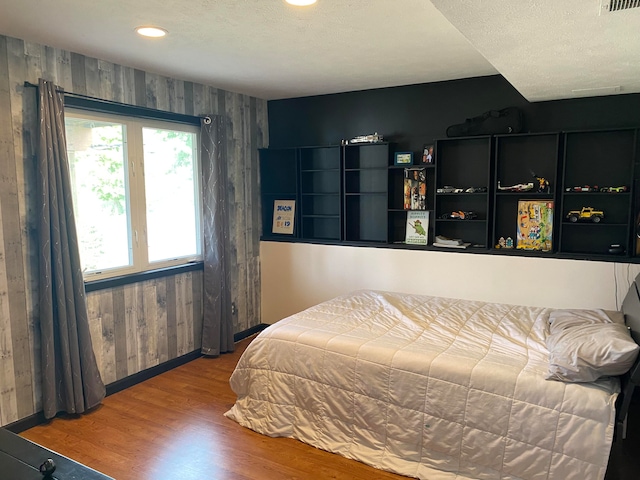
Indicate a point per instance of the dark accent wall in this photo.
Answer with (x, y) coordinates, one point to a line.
(417, 114)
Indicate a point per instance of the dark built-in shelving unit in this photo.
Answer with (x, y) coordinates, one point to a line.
(353, 194)
(602, 159)
(396, 213)
(279, 181)
(320, 192)
(464, 163)
(520, 159)
(366, 192)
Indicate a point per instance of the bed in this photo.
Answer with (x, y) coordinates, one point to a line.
(440, 388)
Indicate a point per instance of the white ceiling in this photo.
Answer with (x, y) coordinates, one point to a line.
(547, 49)
(551, 49)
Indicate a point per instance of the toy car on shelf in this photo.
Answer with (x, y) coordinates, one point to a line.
(475, 190)
(519, 187)
(585, 214)
(449, 189)
(584, 188)
(459, 214)
(620, 189)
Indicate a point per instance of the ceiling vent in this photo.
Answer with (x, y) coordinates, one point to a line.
(610, 6)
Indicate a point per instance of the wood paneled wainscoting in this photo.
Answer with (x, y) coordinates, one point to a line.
(138, 326)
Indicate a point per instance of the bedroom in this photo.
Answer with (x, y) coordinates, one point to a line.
(293, 276)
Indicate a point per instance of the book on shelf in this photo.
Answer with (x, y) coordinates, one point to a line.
(415, 188)
(417, 232)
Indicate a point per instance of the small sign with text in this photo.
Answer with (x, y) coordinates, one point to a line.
(283, 216)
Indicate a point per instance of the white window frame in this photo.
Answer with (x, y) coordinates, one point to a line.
(135, 192)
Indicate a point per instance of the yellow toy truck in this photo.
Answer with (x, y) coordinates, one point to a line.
(587, 213)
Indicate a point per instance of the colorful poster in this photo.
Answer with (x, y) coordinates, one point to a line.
(417, 227)
(535, 225)
(415, 189)
(283, 216)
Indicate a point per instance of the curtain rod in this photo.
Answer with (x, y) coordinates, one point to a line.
(79, 95)
(82, 101)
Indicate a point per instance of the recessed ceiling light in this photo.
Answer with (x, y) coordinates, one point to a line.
(151, 32)
(301, 3)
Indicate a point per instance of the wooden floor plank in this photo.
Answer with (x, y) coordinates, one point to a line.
(172, 426)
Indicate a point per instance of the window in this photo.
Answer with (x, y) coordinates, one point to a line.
(136, 192)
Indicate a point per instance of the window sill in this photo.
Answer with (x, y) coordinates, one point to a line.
(92, 286)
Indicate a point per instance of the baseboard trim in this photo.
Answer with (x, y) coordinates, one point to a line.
(250, 331)
(148, 373)
(38, 417)
(26, 423)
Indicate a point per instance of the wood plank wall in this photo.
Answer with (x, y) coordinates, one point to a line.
(135, 326)
(139, 326)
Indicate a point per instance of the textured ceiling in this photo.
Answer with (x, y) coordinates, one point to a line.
(552, 49)
(271, 50)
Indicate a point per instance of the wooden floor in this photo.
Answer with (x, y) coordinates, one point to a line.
(172, 427)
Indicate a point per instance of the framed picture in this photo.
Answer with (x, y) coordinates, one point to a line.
(403, 158)
(283, 216)
(427, 153)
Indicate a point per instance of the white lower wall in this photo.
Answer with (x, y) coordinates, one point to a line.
(296, 276)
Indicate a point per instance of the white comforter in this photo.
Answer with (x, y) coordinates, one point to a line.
(427, 387)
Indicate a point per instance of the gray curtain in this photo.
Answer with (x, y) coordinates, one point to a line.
(70, 378)
(217, 327)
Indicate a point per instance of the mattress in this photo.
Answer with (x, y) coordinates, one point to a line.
(427, 387)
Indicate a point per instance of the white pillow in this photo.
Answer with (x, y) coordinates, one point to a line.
(585, 345)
